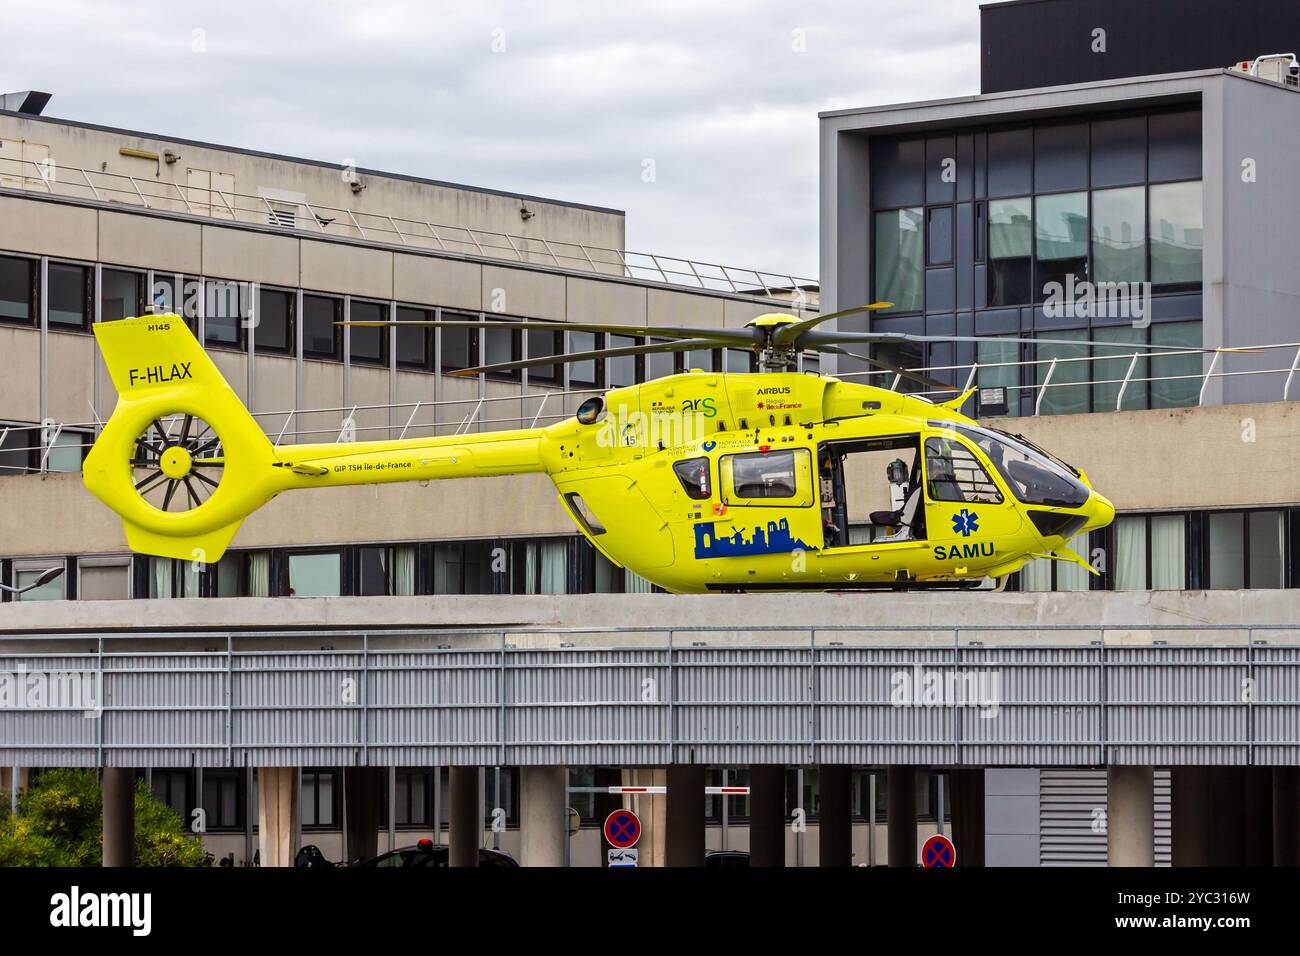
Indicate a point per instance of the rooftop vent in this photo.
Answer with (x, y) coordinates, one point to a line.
(31, 102)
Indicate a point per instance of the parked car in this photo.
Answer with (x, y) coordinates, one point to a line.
(726, 858)
(427, 853)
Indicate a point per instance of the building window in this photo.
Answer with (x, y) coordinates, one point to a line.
(1061, 396)
(1044, 574)
(465, 568)
(244, 574)
(1177, 237)
(174, 578)
(541, 344)
(70, 295)
(320, 796)
(386, 571)
(939, 232)
(316, 574)
(1176, 379)
(588, 372)
(1010, 154)
(738, 360)
(900, 258)
(896, 172)
(1060, 157)
(321, 337)
(458, 345)
(1119, 150)
(103, 579)
(660, 364)
(227, 306)
(1119, 229)
(1010, 252)
(1245, 550)
(413, 341)
(369, 343)
(172, 787)
(223, 799)
(1061, 240)
(17, 289)
(702, 359)
(539, 567)
(622, 368)
(26, 573)
(502, 345)
(274, 330)
(1175, 145)
(1110, 367)
(413, 798)
(121, 294)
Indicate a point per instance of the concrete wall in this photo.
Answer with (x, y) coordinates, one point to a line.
(321, 184)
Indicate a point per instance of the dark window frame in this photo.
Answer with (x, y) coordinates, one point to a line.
(89, 305)
(336, 353)
(291, 320)
(384, 333)
(33, 264)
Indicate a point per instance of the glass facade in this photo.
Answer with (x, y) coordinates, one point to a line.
(1048, 230)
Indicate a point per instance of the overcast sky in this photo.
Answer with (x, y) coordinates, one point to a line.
(699, 119)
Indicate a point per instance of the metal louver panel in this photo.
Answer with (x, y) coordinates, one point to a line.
(1072, 808)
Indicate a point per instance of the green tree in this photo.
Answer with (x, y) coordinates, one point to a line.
(60, 823)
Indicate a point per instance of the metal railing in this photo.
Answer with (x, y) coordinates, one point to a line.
(1065, 695)
(465, 416)
(310, 218)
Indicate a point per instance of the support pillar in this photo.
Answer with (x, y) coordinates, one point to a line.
(277, 815)
(464, 816)
(1227, 839)
(652, 810)
(835, 816)
(545, 823)
(902, 816)
(1286, 816)
(1257, 816)
(685, 843)
(967, 787)
(363, 788)
(119, 816)
(767, 815)
(1130, 816)
(1189, 812)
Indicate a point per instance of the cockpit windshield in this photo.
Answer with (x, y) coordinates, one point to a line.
(1035, 477)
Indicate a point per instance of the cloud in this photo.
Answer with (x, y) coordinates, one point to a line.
(561, 99)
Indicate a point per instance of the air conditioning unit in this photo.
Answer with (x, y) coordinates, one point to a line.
(1277, 67)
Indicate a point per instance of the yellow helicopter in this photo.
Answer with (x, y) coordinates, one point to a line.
(698, 481)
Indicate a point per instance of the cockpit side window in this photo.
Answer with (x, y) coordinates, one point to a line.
(953, 473)
(1032, 477)
(693, 473)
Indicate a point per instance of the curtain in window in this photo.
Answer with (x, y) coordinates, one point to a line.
(403, 571)
(1168, 550)
(551, 558)
(1036, 575)
(1069, 576)
(1131, 554)
(259, 574)
(162, 578)
(633, 583)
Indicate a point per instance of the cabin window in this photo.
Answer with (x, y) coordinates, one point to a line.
(693, 473)
(953, 473)
(781, 475)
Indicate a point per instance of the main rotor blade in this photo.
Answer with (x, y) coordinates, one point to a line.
(678, 346)
(931, 383)
(814, 340)
(788, 334)
(724, 336)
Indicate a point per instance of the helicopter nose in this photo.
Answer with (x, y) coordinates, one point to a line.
(1100, 512)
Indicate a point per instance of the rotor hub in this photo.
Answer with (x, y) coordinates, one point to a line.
(176, 462)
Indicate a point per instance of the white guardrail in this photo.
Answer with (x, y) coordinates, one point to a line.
(462, 416)
(312, 218)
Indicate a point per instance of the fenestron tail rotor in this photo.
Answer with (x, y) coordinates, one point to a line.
(178, 462)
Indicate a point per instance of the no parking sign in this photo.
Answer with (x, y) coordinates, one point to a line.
(938, 851)
(622, 829)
